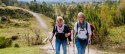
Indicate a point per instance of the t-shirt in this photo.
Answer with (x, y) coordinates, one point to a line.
(61, 36)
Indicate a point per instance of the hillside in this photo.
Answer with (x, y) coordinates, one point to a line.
(24, 27)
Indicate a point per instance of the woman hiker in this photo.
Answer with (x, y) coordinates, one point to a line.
(82, 32)
(62, 32)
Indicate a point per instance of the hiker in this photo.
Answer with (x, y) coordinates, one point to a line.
(62, 32)
(82, 32)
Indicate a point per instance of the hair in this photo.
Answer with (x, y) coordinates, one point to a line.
(59, 18)
(81, 14)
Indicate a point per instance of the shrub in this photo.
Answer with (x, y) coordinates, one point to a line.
(16, 45)
(15, 37)
(5, 42)
(35, 39)
(15, 13)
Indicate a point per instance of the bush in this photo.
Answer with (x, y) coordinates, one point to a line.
(5, 42)
(36, 39)
(16, 45)
(15, 37)
(14, 13)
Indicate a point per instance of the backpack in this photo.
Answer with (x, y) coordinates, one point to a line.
(92, 29)
(82, 32)
(86, 26)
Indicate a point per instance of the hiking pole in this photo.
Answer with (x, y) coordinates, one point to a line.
(68, 45)
(51, 45)
(73, 45)
(73, 42)
(88, 48)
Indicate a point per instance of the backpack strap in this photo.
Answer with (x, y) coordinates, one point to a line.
(86, 26)
(55, 29)
(77, 28)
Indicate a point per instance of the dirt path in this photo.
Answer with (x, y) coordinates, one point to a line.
(41, 22)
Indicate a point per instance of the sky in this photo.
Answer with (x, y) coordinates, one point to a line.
(62, 0)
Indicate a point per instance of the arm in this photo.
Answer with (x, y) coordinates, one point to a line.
(53, 33)
(68, 34)
(52, 37)
(89, 33)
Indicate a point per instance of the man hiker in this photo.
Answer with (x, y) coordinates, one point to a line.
(82, 32)
(62, 32)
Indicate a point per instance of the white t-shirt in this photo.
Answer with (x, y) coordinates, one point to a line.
(82, 34)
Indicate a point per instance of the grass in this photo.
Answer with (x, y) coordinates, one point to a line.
(115, 41)
(22, 50)
(117, 34)
(9, 31)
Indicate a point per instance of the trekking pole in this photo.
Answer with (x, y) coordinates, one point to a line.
(51, 45)
(68, 46)
(73, 42)
(88, 48)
